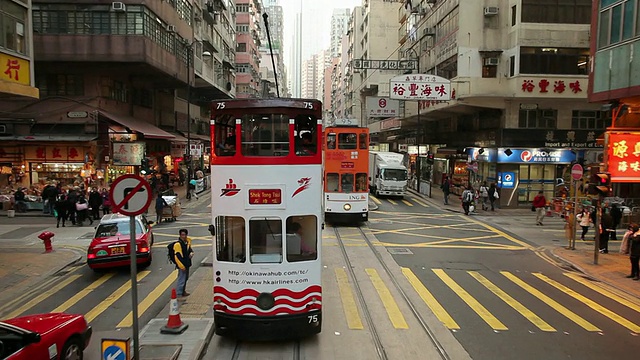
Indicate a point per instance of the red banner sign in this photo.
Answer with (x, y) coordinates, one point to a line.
(624, 157)
(265, 196)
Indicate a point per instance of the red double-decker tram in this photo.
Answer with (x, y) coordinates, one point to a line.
(266, 208)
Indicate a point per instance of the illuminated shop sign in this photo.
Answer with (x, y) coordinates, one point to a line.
(624, 157)
(535, 156)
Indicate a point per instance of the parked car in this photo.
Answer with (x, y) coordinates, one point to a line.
(44, 336)
(110, 246)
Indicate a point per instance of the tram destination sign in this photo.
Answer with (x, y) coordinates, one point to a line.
(360, 64)
(265, 196)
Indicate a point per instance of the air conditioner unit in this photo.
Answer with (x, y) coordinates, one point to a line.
(491, 61)
(118, 6)
(491, 11)
(171, 28)
(429, 31)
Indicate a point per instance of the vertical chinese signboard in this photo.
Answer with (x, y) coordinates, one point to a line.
(624, 157)
(128, 153)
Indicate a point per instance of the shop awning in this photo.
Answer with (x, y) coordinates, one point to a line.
(148, 130)
(179, 138)
(199, 137)
(56, 137)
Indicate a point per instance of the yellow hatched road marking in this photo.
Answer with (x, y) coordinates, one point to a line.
(375, 199)
(472, 302)
(626, 302)
(430, 300)
(420, 202)
(111, 299)
(392, 201)
(149, 300)
(515, 304)
(393, 311)
(348, 301)
(38, 299)
(84, 292)
(590, 303)
(552, 303)
(406, 202)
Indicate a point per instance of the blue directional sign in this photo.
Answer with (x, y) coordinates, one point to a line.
(114, 353)
(508, 180)
(115, 349)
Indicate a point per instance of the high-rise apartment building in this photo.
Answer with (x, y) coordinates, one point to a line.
(519, 80)
(276, 32)
(113, 79)
(248, 28)
(339, 26)
(295, 58)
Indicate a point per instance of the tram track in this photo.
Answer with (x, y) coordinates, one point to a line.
(380, 349)
(248, 350)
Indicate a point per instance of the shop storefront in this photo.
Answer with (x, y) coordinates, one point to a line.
(68, 165)
(522, 173)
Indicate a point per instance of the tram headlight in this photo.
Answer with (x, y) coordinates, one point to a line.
(347, 207)
(265, 301)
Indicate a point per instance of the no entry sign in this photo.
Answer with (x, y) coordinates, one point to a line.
(130, 195)
(577, 172)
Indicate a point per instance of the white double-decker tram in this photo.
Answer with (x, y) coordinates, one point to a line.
(266, 207)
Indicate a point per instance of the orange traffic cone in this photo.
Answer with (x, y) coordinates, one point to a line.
(174, 324)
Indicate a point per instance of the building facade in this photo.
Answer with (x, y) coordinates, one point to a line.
(276, 31)
(108, 73)
(519, 80)
(339, 26)
(248, 29)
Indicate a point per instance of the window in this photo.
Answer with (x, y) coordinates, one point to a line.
(538, 119)
(362, 184)
(265, 135)
(241, 47)
(302, 238)
(512, 65)
(489, 71)
(556, 11)
(347, 141)
(230, 235)
(242, 28)
(332, 182)
(561, 61)
(362, 142)
(331, 141)
(242, 8)
(60, 85)
(305, 135)
(617, 23)
(142, 97)
(224, 137)
(265, 240)
(12, 27)
(346, 182)
(587, 120)
(514, 13)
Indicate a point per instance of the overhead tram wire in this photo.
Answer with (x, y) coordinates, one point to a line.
(273, 62)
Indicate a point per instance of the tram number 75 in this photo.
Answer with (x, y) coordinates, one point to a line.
(313, 319)
(308, 105)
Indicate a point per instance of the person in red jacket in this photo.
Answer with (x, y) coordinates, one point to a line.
(539, 202)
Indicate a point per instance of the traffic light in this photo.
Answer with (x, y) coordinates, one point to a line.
(600, 184)
(144, 166)
(430, 157)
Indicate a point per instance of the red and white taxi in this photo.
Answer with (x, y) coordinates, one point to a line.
(110, 246)
(44, 336)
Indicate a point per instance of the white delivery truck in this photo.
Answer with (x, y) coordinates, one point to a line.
(387, 174)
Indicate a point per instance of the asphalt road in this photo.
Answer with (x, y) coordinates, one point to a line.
(105, 297)
(498, 297)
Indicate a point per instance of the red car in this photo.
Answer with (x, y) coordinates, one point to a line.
(44, 336)
(110, 244)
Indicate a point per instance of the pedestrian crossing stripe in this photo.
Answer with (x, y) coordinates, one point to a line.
(474, 304)
(375, 199)
(392, 202)
(49, 292)
(406, 202)
(149, 300)
(82, 293)
(552, 303)
(420, 202)
(590, 303)
(111, 299)
(349, 306)
(393, 311)
(630, 303)
(515, 304)
(430, 300)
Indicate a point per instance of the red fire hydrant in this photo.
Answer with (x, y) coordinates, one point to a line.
(46, 238)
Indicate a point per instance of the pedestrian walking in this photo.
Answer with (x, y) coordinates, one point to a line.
(606, 224)
(631, 245)
(106, 202)
(446, 189)
(95, 200)
(484, 195)
(182, 257)
(616, 216)
(60, 209)
(569, 223)
(585, 222)
(493, 195)
(539, 204)
(160, 204)
(192, 189)
(467, 198)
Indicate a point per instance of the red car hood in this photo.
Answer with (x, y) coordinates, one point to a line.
(42, 323)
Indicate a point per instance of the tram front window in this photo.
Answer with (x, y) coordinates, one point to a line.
(332, 182)
(230, 245)
(225, 138)
(362, 142)
(331, 141)
(347, 141)
(302, 239)
(394, 174)
(265, 135)
(265, 240)
(347, 183)
(361, 182)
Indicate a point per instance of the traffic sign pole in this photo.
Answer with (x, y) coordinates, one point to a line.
(134, 285)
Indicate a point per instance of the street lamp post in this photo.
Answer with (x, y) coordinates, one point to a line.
(419, 132)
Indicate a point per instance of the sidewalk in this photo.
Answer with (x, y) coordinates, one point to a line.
(610, 270)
